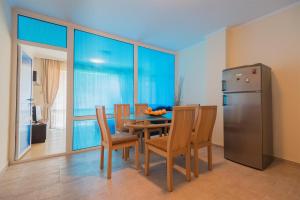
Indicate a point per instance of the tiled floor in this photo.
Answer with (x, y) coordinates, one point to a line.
(54, 144)
(78, 177)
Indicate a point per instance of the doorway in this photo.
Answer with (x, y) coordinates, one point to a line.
(41, 105)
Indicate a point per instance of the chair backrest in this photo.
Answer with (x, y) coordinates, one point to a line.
(140, 108)
(120, 111)
(197, 110)
(181, 127)
(102, 122)
(206, 122)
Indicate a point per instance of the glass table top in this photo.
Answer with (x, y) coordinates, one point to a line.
(133, 117)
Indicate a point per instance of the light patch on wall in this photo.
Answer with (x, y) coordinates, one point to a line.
(201, 66)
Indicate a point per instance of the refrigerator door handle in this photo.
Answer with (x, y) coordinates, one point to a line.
(225, 100)
(224, 85)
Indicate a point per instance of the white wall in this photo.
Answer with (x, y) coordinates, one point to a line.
(5, 50)
(275, 41)
(201, 67)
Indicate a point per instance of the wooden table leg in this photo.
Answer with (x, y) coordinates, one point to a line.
(146, 130)
(147, 134)
(131, 131)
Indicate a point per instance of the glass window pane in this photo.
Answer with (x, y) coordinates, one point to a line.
(103, 73)
(156, 74)
(39, 31)
(86, 133)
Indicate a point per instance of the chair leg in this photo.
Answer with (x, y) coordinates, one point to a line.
(109, 163)
(141, 143)
(170, 174)
(137, 162)
(101, 157)
(188, 164)
(123, 153)
(147, 159)
(196, 161)
(127, 153)
(209, 157)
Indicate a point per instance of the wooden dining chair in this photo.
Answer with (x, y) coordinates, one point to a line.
(203, 134)
(139, 108)
(176, 143)
(119, 140)
(121, 111)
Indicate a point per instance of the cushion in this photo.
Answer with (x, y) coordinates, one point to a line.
(123, 137)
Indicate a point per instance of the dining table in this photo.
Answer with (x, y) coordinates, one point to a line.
(147, 122)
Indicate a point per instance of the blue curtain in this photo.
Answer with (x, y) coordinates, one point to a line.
(86, 133)
(39, 31)
(103, 75)
(156, 74)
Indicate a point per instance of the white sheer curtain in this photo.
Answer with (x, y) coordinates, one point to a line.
(58, 109)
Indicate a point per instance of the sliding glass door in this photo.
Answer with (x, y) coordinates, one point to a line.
(103, 75)
(23, 137)
(36, 87)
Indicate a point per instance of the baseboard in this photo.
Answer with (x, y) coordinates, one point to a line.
(289, 161)
(3, 168)
(218, 145)
(275, 157)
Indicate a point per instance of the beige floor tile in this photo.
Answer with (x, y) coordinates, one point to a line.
(54, 144)
(79, 177)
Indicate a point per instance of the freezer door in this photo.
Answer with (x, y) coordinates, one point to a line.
(242, 79)
(243, 128)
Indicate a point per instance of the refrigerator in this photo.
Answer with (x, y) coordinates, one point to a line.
(247, 104)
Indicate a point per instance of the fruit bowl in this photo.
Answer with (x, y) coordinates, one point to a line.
(149, 111)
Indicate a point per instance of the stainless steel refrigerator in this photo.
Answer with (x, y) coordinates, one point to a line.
(247, 103)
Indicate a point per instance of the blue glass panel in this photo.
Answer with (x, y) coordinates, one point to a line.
(24, 107)
(103, 73)
(86, 133)
(24, 137)
(156, 74)
(39, 31)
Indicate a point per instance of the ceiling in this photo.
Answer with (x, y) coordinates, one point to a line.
(170, 24)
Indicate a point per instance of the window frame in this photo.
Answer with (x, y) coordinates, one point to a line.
(70, 63)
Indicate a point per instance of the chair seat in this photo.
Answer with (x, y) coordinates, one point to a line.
(125, 129)
(123, 137)
(159, 142)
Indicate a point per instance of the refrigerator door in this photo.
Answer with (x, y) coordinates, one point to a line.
(242, 79)
(243, 128)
